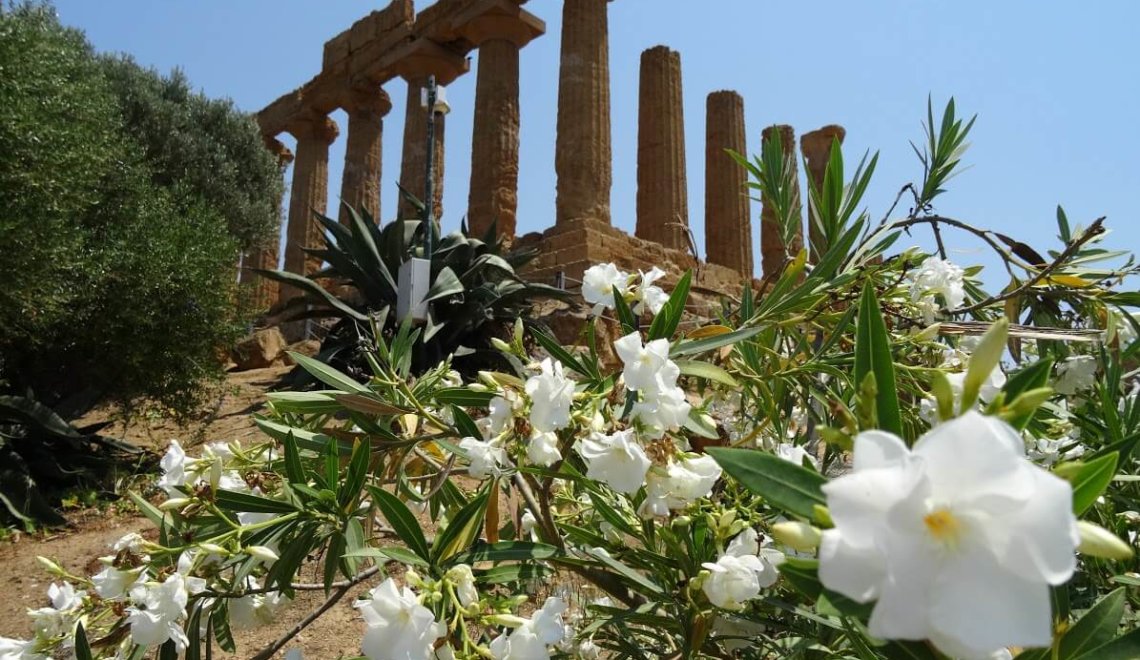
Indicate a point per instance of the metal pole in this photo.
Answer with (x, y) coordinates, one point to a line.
(429, 187)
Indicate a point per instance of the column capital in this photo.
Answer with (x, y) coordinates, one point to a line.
(819, 141)
(424, 58)
(314, 126)
(499, 19)
(369, 99)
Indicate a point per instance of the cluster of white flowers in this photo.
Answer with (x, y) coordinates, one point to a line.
(180, 471)
(1076, 374)
(993, 383)
(52, 622)
(398, 625)
(599, 282)
(924, 531)
(738, 575)
(531, 638)
(679, 484)
(938, 278)
(647, 370)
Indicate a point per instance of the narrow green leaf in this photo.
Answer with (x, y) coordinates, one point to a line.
(246, 503)
(624, 313)
(294, 468)
(82, 647)
(463, 529)
(873, 355)
(328, 375)
(1095, 628)
(461, 396)
(402, 521)
(506, 551)
(707, 371)
(1090, 482)
(1125, 647)
(783, 484)
(698, 346)
(446, 284)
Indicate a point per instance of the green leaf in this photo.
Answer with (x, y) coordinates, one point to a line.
(1089, 483)
(304, 403)
(402, 521)
(506, 551)
(627, 572)
(328, 375)
(220, 622)
(356, 475)
(1125, 647)
(370, 404)
(463, 529)
(556, 351)
(511, 573)
(446, 284)
(246, 503)
(624, 313)
(315, 291)
(1032, 377)
(294, 468)
(667, 320)
(783, 484)
(393, 553)
(707, 371)
(82, 647)
(464, 424)
(697, 346)
(873, 355)
(305, 439)
(1095, 628)
(461, 396)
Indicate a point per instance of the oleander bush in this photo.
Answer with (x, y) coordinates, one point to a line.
(872, 457)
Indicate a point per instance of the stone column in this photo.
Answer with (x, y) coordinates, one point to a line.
(662, 190)
(310, 191)
(728, 228)
(360, 184)
(583, 152)
(772, 249)
(266, 292)
(413, 168)
(494, 193)
(816, 148)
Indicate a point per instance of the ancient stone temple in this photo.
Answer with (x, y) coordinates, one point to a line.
(397, 42)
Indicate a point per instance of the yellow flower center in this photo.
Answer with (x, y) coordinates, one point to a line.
(943, 526)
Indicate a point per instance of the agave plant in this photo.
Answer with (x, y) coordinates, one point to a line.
(475, 290)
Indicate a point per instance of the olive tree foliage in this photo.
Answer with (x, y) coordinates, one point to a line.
(124, 201)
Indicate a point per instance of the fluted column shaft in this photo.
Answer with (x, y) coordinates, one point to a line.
(728, 228)
(413, 168)
(662, 190)
(309, 195)
(583, 158)
(772, 248)
(360, 184)
(266, 292)
(493, 196)
(816, 148)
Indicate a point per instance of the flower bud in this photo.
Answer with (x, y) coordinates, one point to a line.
(822, 516)
(413, 578)
(214, 548)
(174, 503)
(508, 620)
(50, 566)
(1097, 541)
(500, 345)
(928, 333)
(261, 552)
(726, 518)
(681, 523)
(797, 535)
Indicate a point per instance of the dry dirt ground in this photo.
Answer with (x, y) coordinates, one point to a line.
(24, 584)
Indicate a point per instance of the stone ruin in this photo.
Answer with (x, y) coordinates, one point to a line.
(396, 42)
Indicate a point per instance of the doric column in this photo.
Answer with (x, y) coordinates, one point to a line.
(728, 228)
(413, 168)
(309, 195)
(662, 191)
(266, 292)
(583, 152)
(772, 249)
(816, 148)
(360, 184)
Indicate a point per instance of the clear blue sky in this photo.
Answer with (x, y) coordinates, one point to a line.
(1056, 86)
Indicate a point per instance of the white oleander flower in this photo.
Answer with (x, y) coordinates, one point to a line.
(741, 572)
(542, 449)
(924, 531)
(598, 284)
(1047, 451)
(113, 583)
(59, 618)
(154, 616)
(1075, 374)
(938, 277)
(132, 542)
(551, 394)
(616, 460)
(527, 523)
(19, 649)
(484, 457)
(530, 640)
(648, 296)
(794, 453)
(463, 578)
(173, 466)
(989, 390)
(648, 368)
(664, 410)
(398, 626)
(257, 609)
(680, 484)
(500, 413)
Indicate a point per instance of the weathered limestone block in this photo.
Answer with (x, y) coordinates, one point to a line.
(772, 249)
(583, 158)
(309, 194)
(662, 188)
(728, 228)
(261, 349)
(816, 148)
(413, 168)
(360, 184)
